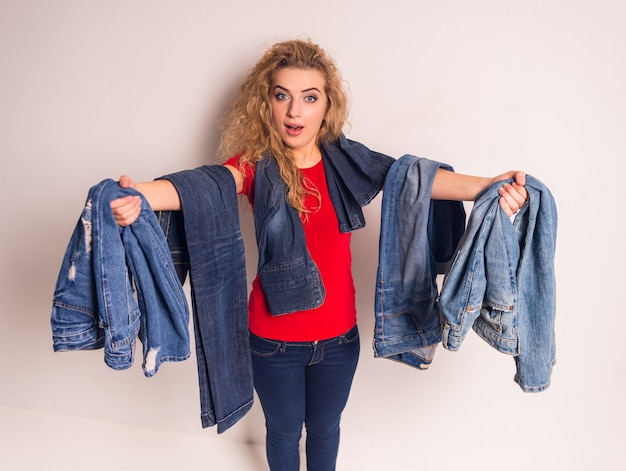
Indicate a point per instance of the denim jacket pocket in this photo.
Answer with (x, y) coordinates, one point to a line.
(498, 325)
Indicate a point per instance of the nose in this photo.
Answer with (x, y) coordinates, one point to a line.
(294, 110)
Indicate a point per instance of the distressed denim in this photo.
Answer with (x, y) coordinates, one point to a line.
(289, 277)
(502, 283)
(95, 304)
(210, 216)
(417, 236)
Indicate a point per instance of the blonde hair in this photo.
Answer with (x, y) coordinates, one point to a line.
(248, 129)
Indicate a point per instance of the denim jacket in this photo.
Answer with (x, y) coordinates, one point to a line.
(289, 277)
(216, 260)
(94, 303)
(417, 237)
(502, 283)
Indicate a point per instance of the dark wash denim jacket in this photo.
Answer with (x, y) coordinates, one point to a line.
(418, 237)
(209, 205)
(94, 303)
(211, 236)
(289, 277)
(502, 283)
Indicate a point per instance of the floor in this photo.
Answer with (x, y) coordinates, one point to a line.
(34, 440)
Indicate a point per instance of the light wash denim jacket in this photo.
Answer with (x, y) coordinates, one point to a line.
(95, 305)
(289, 277)
(216, 261)
(502, 283)
(418, 236)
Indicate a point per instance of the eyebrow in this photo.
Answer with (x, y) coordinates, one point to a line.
(306, 90)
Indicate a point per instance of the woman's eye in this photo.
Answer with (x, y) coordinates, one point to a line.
(311, 99)
(281, 96)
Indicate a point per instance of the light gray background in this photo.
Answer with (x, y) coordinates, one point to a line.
(94, 89)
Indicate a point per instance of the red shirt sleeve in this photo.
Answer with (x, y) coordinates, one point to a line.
(248, 176)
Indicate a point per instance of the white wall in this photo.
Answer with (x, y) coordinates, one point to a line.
(94, 89)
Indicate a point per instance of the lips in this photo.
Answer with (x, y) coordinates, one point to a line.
(293, 130)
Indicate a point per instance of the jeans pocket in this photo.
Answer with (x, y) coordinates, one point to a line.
(351, 336)
(262, 347)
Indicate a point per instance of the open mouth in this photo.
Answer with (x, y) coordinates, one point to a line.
(293, 130)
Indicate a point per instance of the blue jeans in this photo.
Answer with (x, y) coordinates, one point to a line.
(217, 273)
(304, 383)
(417, 236)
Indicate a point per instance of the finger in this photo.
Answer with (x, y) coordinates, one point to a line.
(127, 218)
(126, 182)
(505, 206)
(520, 178)
(510, 200)
(126, 210)
(130, 200)
(516, 195)
(521, 192)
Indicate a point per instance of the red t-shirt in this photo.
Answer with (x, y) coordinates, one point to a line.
(330, 250)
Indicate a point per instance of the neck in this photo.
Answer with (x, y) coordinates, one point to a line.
(306, 158)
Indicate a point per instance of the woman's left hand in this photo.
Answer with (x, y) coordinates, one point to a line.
(512, 195)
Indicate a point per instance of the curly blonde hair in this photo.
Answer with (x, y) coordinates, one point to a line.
(248, 129)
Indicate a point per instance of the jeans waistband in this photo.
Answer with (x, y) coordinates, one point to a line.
(311, 343)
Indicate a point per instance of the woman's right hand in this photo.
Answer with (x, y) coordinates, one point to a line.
(126, 209)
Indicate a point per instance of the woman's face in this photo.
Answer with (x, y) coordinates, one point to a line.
(299, 102)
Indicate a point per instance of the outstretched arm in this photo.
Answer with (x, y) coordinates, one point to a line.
(161, 194)
(458, 187)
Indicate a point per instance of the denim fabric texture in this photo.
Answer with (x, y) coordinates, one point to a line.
(95, 304)
(172, 224)
(502, 283)
(417, 235)
(355, 176)
(217, 273)
(289, 277)
(304, 383)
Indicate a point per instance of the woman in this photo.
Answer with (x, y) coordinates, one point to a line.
(291, 107)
